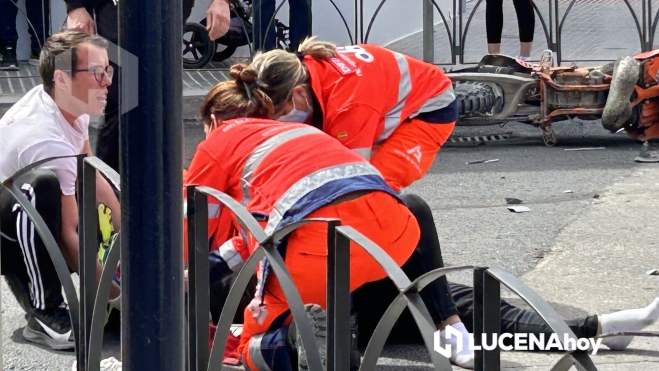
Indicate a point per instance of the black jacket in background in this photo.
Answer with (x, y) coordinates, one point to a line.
(89, 4)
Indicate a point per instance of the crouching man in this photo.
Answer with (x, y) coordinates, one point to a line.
(52, 120)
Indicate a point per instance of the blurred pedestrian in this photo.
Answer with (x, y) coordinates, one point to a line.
(299, 19)
(38, 15)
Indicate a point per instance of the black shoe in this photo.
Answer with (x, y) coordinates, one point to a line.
(649, 152)
(50, 327)
(9, 62)
(318, 319)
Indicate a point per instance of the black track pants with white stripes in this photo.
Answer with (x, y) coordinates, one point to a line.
(25, 261)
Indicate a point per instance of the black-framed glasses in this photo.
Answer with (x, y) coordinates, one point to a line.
(99, 72)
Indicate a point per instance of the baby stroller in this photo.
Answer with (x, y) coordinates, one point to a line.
(200, 50)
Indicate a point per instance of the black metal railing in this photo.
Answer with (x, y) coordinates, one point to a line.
(487, 298)
(458, 25)
(87, 313)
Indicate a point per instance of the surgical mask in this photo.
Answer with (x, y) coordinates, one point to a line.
(296, 115)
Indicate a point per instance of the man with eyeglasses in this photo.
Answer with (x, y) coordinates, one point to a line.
(52, 120)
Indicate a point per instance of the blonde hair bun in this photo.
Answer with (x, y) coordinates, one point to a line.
(243, 73)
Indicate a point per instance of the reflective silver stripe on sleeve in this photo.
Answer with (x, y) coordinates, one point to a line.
(231, 256)
(213, 210)
(255, 353)
(392, 119)
(261, 151)
(436, 103)
(314, 181)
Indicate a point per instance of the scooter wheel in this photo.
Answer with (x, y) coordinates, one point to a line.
(198, 48)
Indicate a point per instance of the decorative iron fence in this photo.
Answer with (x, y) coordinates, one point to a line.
(88, 311)
(456, 24)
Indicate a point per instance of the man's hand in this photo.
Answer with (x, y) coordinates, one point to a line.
(80, 20)
(218, 18)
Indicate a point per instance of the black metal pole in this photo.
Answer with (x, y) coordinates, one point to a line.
(152, 193)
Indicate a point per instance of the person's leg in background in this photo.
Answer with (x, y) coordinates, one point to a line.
(8, 35)
(38, 12)
(264, 36)
(300, 22)
(526, 25)
(25, 257)
(371, 301)
(494, 25)
(187, 10)
(107, 143)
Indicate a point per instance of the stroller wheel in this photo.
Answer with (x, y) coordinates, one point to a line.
(224, 54)
(198, 48)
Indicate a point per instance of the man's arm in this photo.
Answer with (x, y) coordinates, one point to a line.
(218, 17)
(78, 18)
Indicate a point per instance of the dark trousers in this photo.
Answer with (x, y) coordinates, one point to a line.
(372, 300)
(107, 143)
(26, 263)
(300, 23)
(38, 13)
(494, 20)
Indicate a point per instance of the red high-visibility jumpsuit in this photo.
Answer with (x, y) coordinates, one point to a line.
(288, 172)
(392, 109)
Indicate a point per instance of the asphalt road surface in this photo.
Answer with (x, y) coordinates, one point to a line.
(468, 201)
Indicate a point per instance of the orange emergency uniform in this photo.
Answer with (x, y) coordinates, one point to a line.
(287, 172)
(376, 101)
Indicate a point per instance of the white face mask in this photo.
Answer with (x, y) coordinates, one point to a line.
(296, 115)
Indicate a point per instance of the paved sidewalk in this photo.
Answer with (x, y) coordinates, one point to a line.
(593, 30)
(598, 263)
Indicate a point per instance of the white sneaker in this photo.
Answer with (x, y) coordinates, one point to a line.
(108, 364)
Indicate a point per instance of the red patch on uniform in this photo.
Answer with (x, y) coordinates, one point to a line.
(342, 64)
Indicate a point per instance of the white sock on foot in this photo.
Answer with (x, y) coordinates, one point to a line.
(628, 320)
(464, 358)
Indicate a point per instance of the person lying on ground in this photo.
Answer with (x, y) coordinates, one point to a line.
(284, 172)
(52, 120)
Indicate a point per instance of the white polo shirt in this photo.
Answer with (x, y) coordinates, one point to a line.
(34, 129)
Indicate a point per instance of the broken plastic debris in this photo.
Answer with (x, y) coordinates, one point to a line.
(513, 201)
(483, 161)
(652, 272)
(519, 209)
(585, 149)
